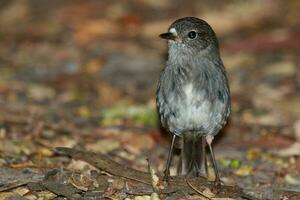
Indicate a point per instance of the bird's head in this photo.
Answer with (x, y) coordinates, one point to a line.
(190, 35)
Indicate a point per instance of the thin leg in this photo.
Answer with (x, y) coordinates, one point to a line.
(209, 140)
(167, 170)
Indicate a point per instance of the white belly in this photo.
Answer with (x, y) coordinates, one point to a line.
(195, 109)
(196, 112)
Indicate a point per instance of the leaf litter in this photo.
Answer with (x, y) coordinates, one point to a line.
(71, 76)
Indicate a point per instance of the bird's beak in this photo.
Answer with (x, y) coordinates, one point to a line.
(168, 36)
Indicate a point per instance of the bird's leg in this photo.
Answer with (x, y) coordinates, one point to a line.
(167, 170)
(209, 140)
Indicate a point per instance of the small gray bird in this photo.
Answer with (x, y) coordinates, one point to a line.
(193, 98)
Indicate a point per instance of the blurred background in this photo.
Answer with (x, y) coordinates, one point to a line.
(84, 73)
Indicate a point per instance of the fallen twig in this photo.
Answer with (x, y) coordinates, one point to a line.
(198, 191)
(104, 163)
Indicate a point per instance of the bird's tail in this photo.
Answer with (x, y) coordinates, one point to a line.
(192, 158)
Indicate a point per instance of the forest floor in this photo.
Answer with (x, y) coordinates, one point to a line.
(83, 75)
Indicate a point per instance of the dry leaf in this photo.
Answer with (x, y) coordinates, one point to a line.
(293, 150)
(103, 146)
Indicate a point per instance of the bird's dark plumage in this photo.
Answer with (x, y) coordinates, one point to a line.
(193, 95)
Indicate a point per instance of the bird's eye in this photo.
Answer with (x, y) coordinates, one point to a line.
(192, 34)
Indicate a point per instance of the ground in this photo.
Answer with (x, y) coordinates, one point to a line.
(83, 74)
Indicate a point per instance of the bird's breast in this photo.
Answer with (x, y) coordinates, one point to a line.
(195, 107)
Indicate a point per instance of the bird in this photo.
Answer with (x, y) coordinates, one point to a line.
(193, 96)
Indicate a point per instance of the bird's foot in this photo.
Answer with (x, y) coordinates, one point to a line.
(217, 186)
(166, 176)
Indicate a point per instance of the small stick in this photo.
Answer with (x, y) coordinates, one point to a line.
(198, 191)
